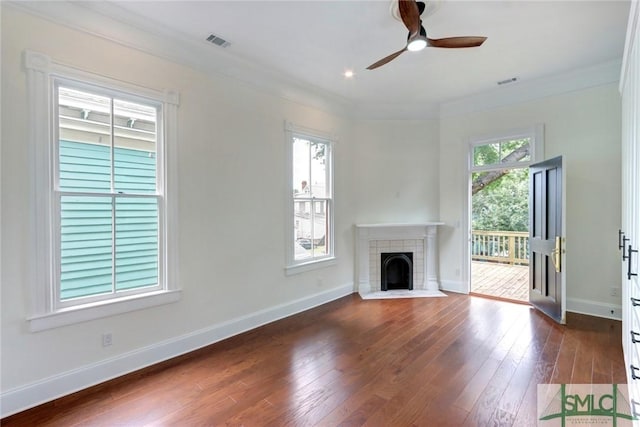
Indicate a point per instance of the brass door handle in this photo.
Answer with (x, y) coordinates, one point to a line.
(556, 255)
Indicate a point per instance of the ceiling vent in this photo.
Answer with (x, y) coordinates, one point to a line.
(218, 41)
(506, 81)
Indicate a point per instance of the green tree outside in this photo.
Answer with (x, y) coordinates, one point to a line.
(503, 205)
(500, 198)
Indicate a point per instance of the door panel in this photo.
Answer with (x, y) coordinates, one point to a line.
(545, 238)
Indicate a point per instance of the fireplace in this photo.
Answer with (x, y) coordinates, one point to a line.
(396, 270)
(417, 239)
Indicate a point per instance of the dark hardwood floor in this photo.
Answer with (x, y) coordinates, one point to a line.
(457, 361)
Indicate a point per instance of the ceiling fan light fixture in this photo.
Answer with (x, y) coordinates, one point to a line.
(417, 43)
(409, 12)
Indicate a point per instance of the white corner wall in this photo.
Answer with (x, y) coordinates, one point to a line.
(397, 170)
(582, 126)
(231, 209)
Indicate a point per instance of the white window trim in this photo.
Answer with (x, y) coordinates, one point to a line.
(536, 149)
(291, 265)
(41, 74)
(113, 194)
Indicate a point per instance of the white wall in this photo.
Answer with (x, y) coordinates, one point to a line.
(582, 126)
(231, 206)
(396, 174)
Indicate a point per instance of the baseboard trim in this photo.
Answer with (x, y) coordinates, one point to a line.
(574, 305)
(594, 308)
(454, 286)
(28, 396)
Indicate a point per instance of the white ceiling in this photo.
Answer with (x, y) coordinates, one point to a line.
(312, 43)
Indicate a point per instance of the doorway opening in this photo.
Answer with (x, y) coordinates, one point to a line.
(499, 234)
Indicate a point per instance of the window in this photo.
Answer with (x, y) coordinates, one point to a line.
(103, 174)
(490, 158)
(311, 200)
(106, 195)
(510, 151)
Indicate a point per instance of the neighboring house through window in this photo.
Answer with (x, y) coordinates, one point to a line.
(107, 195)
(310, 234)
(103, 173)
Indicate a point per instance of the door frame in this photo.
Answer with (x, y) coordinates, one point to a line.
(536, 133)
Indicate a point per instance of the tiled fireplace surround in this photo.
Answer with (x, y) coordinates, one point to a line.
(374, 239)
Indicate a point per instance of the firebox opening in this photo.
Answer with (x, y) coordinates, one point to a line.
(396, 270)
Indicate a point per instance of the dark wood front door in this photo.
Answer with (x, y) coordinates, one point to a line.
(545, 238)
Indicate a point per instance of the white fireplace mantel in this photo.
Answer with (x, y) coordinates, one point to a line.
(396, 236)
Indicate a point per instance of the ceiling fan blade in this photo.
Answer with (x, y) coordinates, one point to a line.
(386, 59)
(410, 15)
(456, 42)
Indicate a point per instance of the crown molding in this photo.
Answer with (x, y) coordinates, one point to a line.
(574, 80)
(396, 111)
(109, 21)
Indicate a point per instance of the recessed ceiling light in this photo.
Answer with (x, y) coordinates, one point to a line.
(348, 74)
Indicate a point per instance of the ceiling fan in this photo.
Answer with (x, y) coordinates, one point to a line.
(410, 11)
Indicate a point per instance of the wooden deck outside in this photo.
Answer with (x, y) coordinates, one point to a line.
(500, 280)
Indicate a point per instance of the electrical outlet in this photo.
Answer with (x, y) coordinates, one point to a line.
(107, 339)
(613, 291)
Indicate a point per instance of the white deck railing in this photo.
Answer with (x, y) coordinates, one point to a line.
(509, 247)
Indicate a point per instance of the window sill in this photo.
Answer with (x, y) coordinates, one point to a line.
(310, 265)
(83, 313)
